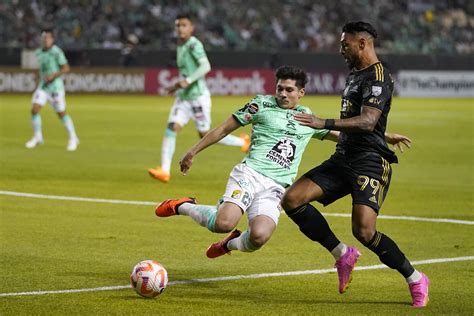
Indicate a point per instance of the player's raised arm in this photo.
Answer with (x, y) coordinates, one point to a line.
(210, 138)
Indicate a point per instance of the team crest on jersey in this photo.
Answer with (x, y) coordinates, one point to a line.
(236, 194)
(376, 91)
(283, 153)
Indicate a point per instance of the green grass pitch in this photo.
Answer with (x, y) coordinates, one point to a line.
(49, 245)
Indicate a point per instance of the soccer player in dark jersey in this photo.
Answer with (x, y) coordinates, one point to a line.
(360, 166)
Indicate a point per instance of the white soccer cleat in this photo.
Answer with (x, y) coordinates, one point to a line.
(35, 141)
(72, 144)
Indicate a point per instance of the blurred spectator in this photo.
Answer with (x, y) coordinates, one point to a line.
(405, 26)
(128, 53)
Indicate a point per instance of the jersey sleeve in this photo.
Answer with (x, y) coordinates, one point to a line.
(60, 57)
(197, 50)
(320, 133)
(376, 94)
(249, 113)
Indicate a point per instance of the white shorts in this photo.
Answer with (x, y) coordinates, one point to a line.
(199, 110)
(254, 193)
(56, 99)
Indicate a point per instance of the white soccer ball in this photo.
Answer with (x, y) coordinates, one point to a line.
(149, 278)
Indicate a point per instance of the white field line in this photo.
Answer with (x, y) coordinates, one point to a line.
(233, 277)
(81, 199)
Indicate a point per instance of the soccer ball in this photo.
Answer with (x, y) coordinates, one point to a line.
(149, 278)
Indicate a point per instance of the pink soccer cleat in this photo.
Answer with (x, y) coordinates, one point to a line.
(419, 291)
(345, 265)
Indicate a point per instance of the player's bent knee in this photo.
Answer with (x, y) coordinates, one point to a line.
(290, 201)
(35, 109)
(174, 127)
(363, 235)
(224, 226)
(259, 237)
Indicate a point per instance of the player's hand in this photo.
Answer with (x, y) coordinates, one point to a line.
(186, 162)
(398, 141)
(309, 120)
(171, 89)
(181, 84)
(49, 79)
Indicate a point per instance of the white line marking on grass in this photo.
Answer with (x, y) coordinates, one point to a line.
(74, 198)
(81, 199)
(234, 277)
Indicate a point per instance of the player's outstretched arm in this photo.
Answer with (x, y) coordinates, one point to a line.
(397, 140)
(365, 122)
(332, 136)
(210, 138)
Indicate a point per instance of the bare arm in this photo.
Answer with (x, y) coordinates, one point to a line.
(63, 70)
(203, 68)
(332, 136)
(397, 140)
(210, 138)
(365, 122)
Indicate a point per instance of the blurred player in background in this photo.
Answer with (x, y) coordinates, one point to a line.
(52, 65)
(257, 184)
(193, 100)
(360, 166)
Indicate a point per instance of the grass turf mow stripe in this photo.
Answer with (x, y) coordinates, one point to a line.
(81, 199)
(234, 277)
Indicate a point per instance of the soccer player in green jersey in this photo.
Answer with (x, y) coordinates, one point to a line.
(257, 184)
(193, 100)
(52, 65)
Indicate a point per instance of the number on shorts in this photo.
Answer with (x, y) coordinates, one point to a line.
(363, 181)
(246, 199)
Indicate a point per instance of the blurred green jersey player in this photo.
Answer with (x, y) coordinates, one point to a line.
(52, 65)
(193, 100)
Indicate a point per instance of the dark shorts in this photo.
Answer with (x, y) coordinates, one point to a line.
(366, 177)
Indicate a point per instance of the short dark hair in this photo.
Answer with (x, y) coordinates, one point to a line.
(47, 30)
(184, 16)
(294, 73)
(359, 26)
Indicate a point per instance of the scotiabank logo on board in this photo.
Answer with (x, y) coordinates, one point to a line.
(220, 82)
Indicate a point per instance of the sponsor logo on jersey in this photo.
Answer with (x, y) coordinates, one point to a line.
(244, 183)
(374, 100)
(283, 153)
(252, 108)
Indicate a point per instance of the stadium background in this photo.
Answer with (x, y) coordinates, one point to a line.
(122, 54)
(253, 38)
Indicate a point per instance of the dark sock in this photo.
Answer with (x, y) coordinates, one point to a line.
(313, 224)
(390, 254)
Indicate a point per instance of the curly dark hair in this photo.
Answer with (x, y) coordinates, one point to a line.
(294, 73)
